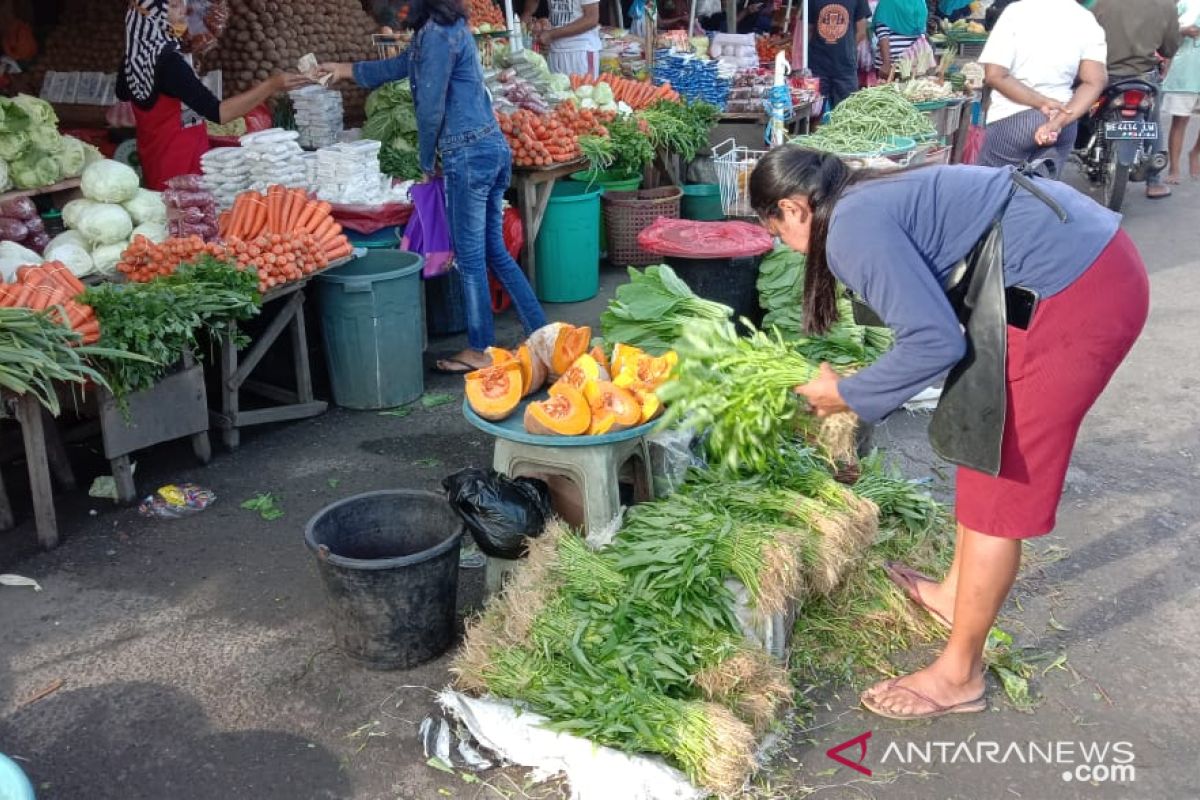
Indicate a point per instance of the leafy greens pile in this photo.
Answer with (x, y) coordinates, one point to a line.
(35, 153)
(651, 310)
(392, 119)
(161, 319)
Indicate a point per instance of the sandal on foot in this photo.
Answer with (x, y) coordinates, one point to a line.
(453, 366)
(937, 709)
(906, 578)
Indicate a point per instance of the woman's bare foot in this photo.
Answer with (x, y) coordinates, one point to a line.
(936, 598)
(929, 692)
(1173, 178)
(1194, 165)
(464, 361)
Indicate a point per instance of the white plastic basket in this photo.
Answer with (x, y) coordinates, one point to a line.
(733, 165)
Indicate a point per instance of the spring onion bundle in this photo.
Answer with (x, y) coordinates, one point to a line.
(739, 390)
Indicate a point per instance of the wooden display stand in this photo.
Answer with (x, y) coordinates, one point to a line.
(44, 453)
(297, 403)
(62, 191)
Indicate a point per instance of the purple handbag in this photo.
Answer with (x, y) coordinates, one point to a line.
(428, 232)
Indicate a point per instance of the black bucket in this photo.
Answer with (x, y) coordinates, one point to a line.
(389, 562)
(732, 281)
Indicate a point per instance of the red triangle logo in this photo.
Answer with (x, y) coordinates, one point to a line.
(835, 753)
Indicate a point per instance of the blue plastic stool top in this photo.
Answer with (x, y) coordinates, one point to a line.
(513, 429)
(13, 783)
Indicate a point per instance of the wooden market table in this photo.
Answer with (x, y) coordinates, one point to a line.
(534, 186)
(70, 185)
(44, 454)
(289, 403)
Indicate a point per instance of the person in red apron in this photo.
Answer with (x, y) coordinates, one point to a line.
(170, 103)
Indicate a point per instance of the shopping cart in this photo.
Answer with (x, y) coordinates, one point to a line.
(734, 164)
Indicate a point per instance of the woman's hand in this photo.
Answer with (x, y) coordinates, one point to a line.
(822, 393)
(340, 72)
(286, 81)
(546, 36)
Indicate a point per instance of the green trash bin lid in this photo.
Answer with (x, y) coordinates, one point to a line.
(376, 265)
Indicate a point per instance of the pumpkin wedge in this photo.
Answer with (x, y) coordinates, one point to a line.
(533, 371)
(584, 371)
(623, 353)
(603, 421)
(565, 413)
(651, 407)
(499, 355)
(605, 397)
(569, 345)
(494, 392)
(597, 353)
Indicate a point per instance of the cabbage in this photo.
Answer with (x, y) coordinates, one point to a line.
(48, 140)
(109, 182)
(39, 111)
(609, 107)
(146, 206)
(584, 92)
(106, 256)
(105, 223)
(13, 118)
(5, 181)
(603, 94)
(64, 239)
(91, 154)
(12, 256)
(73, 210)
(34, 170)
(560, 83)
(154, 231)
(588, 103)
(75, 257)
(13, 145)
(72, 158)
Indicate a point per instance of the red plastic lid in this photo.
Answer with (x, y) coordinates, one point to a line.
(691, 239)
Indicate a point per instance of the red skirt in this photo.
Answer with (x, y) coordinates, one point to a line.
(1056, 370)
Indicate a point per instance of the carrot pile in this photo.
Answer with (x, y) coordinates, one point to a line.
(543, 140)
(635, 94)
(143, 260)
(280, 258)
(51, 286)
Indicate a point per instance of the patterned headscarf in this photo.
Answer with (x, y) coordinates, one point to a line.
(147, 37)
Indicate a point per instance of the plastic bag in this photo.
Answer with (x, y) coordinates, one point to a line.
(189, 183)
(428, 232)
(367, 219)
(21, 208)
(974, 144)
(690, 239)
(177, 500)
(499, 511)
(514, 232)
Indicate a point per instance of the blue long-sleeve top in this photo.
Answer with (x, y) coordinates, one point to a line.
(451, 102)
(894, 242)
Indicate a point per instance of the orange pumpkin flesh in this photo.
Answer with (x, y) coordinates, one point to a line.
(565, 413)
(606, 398)
(603, 421)
(651, 407)
(584, 371)
(623, 353)
(499, 355)
(569, 345)
(533, 371)
(597, 353)
(493, 392)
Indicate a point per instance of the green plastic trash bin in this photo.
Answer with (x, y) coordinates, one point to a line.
(373, 328)
(568, 245)
(614, 181)
(702, 201)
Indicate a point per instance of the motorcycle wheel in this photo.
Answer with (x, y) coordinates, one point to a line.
(1115, 180)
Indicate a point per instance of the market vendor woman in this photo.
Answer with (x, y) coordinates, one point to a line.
(170, 104)
(1075, 302)
(455, 121)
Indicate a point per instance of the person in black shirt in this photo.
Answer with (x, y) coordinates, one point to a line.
(834, 33)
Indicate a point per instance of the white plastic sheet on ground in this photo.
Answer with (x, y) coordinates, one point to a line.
(594, 773)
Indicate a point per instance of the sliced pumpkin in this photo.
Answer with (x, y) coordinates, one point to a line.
(565, 413)
(499, 355)
(606, 397)
(651, 406)
(569, 345)
(533, 371)
(597, 353)
(584, 371)
(603, 421)
(623, 353)
(494, 392)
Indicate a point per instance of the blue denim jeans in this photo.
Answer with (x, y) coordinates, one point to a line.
(477, 175)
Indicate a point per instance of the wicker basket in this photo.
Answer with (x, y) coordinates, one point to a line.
(626, 214)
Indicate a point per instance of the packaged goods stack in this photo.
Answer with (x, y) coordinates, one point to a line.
(274, 157)
(319, 116)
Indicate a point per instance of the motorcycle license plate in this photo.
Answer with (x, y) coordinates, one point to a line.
(1134, 129)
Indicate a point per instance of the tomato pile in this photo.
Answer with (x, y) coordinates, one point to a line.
(545, 140)
(484, 12)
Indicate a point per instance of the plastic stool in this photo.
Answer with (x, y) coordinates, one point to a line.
(593, 469)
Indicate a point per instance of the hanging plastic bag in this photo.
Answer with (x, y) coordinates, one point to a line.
(974, 144)
(499, 511)
(428, 231)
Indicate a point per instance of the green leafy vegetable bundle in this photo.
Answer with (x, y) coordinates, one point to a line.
(392, 119)
(651, 310)
(162, 318)
(681, 128)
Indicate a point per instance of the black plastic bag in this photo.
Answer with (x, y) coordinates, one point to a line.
(499, 511)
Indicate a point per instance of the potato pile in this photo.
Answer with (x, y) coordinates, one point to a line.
(266, 36)
(100, 50)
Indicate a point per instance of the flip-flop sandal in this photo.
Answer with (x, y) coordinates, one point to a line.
(440, 369)
(906, 578)
(938, 710)
(1158, 196)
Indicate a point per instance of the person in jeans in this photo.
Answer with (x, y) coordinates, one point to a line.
(1138, 35)
(455, 119)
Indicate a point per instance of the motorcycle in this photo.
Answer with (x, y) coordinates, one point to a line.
(1117, 138)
